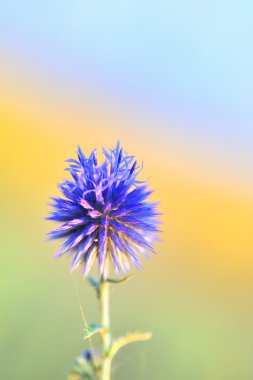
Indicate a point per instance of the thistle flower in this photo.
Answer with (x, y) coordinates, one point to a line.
(105, 213)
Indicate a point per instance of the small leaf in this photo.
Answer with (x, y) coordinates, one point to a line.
(116, 281)
(96, 284)
(130, 337)
(82, 369)
(79, 376)
(74, 376)
(92, 329)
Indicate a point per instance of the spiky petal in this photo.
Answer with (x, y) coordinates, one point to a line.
(105, 212)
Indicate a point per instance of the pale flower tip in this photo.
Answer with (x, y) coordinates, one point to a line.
(57, 255)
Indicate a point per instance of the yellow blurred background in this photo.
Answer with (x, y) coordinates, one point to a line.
(195, 295)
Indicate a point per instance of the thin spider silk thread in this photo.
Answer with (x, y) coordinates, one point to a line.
(83, 317)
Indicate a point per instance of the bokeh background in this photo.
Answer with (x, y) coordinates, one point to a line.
(173, 81)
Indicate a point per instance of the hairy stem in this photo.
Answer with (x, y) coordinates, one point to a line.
(105, 335)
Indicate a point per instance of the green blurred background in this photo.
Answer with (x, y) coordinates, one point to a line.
(174, 87)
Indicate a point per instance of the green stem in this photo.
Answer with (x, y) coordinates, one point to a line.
(106, 335)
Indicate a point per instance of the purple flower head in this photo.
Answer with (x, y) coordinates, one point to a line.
(104, 213)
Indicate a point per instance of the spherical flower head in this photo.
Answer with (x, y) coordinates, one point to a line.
(104, 213)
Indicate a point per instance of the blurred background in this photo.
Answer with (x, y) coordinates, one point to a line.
(173, 81)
